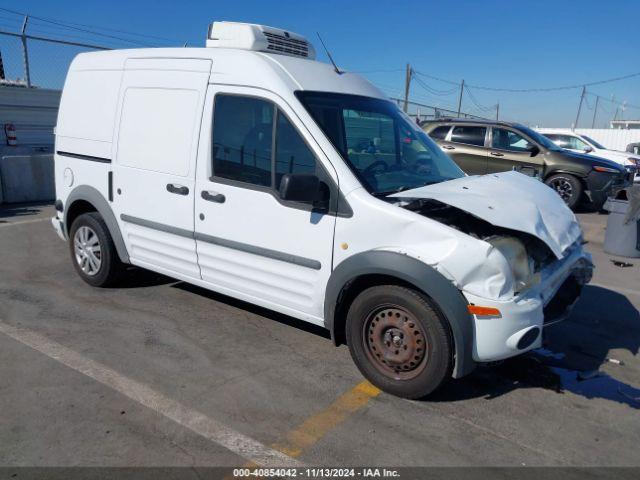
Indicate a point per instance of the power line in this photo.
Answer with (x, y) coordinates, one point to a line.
(71, 26)
(525, 90)
(613, 102)
(77, 38)
(433, 91)
(477, 103)
(381, 70)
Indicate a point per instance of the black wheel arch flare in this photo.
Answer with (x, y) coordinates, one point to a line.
(95, 198)
(446, 297)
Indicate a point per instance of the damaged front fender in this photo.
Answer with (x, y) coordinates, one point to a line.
(447, 298)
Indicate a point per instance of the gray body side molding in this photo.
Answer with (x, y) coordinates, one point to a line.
(445, 295)
(95, 198)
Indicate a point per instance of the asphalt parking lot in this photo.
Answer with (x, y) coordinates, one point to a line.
(160, 373)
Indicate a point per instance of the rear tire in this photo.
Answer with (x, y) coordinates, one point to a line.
(399, 341)
(93, 252)
(567, 186)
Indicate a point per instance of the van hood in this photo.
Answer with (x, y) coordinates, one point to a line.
(508, 200)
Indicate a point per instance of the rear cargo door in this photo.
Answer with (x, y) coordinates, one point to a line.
(160, 110)
(465, 144)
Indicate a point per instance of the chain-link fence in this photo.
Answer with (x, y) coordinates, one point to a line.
(34, 61)
(422, 112)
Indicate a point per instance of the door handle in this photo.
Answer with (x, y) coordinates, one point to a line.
(177, 189)
(213, 196)
(496, 154)
(448, 147)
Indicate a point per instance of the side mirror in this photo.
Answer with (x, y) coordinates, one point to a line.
(300, 187)
(588, 149)
(533, 150)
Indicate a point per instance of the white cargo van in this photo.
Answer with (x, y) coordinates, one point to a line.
(253, 170)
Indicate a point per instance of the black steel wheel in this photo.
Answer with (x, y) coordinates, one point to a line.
(399, 340)
(395, 341)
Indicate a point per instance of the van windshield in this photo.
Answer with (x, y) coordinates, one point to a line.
(386, 150)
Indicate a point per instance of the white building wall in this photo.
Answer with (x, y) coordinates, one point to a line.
(33, 111)
(613, 139)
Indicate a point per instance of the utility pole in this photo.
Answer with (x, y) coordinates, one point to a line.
(497, 111)
(25, 53)
(407, 84)
(595, 112)
(584, 90)
(460, 98)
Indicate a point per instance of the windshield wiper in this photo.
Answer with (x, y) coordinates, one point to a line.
(398, 190)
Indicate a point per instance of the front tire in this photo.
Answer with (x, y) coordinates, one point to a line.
(399, 341)
(93, 252)
(567, 186)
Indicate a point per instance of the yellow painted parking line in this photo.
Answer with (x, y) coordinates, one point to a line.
(317, 426)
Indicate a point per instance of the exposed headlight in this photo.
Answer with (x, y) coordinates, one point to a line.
(635, 161)
(522, 266)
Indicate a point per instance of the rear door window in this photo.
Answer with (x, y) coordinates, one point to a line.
(560, 140)
(440, 133)
(577, 143)
(469, 135)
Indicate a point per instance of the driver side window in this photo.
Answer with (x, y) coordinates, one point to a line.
(247, 149)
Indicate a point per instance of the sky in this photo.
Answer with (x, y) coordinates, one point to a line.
(492, 43)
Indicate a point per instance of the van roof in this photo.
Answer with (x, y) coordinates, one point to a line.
(243, 67)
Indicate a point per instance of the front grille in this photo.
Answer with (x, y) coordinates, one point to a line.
(561, 303)
(631, 172)
(290, 46)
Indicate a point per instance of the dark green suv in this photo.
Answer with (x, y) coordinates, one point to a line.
(481, 147)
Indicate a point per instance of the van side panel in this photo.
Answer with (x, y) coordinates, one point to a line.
(155, 146)
(87, 112)
(84, 133)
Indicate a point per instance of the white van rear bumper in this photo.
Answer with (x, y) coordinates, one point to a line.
(58, 226)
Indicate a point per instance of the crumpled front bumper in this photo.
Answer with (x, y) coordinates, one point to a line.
(519, 327)
(602, 185)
